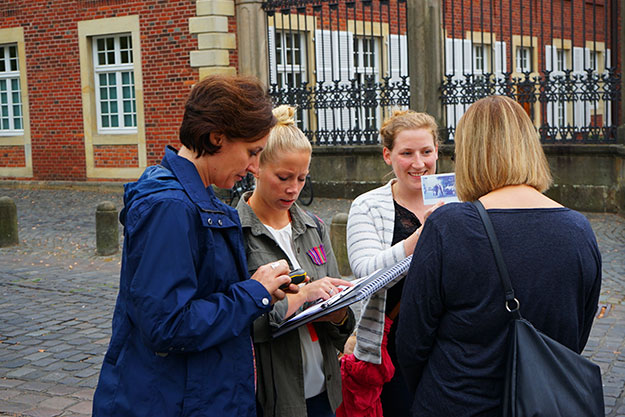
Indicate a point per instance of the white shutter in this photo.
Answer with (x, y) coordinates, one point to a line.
(607, 114)
(549, 66)
(500, 59)
(271, 42)
(398, 56)
(467, 58)
(581, 108)
(323, 65)
(344, 51)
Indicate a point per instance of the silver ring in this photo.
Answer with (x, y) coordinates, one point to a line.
(274, 265)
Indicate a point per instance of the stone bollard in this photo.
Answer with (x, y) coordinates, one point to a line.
(338, 235)
(106, 229)
(8, 222)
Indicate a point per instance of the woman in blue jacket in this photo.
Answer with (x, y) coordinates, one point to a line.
(181, 342)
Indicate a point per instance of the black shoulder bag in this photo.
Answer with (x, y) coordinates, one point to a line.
(543, 377)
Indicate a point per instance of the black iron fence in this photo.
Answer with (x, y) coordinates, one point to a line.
(344, 64)
(557, 58)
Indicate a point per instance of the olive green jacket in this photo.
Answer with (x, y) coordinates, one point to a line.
(280, 373)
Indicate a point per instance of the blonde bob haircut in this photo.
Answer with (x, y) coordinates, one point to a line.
(497, 145)
(284, 137)
(402, 120)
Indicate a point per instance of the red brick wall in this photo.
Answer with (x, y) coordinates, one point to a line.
(54, 89)
(12, 156)
(578, 21)
(107, 156)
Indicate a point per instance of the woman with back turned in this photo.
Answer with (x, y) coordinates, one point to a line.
(453, 331)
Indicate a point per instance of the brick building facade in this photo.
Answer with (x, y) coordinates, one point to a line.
(94, 89)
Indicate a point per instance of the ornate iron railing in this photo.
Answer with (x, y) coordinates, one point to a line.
(342, 63)
(557, 58)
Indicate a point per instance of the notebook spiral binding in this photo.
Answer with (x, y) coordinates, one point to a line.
(386, 277)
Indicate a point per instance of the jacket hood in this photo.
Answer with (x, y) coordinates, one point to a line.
(154, 179)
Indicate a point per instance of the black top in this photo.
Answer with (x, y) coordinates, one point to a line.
(405, 225)
(452, 337)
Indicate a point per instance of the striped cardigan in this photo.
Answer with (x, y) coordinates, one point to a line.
(369, 236)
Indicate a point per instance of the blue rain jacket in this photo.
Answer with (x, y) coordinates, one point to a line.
(181, 341)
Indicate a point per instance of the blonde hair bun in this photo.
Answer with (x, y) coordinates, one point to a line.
(285, 115)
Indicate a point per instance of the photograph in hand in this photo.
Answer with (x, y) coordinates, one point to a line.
(440, 187)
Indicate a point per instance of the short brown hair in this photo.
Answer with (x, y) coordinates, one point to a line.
(406, 120)
(235, 106)
(497, 145)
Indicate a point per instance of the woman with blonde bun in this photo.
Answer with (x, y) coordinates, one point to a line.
(298, 372)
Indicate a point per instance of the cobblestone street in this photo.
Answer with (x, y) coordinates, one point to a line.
(57, 299)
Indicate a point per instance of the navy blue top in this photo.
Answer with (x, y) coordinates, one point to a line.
(451, 341)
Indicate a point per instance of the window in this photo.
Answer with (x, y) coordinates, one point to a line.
(560, 60)
(114, 84)
(366, 74)
(480, 59)
(11, 117)
(291, 66)
(523, 59)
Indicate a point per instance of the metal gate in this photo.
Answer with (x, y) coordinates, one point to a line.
(344, 64)
(557, 58)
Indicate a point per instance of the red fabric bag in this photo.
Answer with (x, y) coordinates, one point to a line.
(363, 381)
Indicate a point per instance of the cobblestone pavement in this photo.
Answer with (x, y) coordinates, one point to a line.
(57, 299)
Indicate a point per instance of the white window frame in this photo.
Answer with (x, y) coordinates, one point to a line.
(363, 58)
(117, 69)
(481, 59)
(9, 77)
(523, 59)
(291, 73)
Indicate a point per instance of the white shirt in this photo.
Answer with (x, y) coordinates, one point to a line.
(312, 357)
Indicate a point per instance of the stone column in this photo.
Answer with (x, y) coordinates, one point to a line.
(214, 40)
(425, 56)
(252, 34)
(8, 222)
(620, 138)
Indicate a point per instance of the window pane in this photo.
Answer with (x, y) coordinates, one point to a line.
(3, 85)
(5, 124)
(113, 93)
(125, 78)
(110, 57)
(17, 111)
(127, 120)
(110, 44)
(100, 43)
(105, 121)
(114, 109)
(104, 107)
(15, 84)
(126, 93)
(127, 106)
(114, 121)
(104, 93)
(18, 123)
(101, 58)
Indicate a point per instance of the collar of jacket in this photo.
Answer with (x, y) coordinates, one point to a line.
(300, 221)
(203, 197)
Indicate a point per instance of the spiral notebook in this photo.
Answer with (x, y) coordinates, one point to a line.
(363, 288)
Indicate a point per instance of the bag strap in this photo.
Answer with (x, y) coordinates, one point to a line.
(512, 304)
